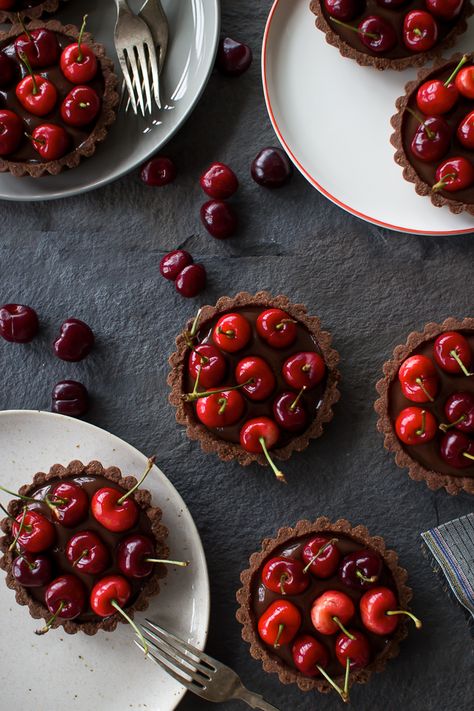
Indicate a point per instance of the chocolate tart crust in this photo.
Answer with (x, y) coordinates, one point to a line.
(416, 471)
(142, 498)
(381, 63)
(229, 450)
(107, 116)
(248, 577)
(401, 158)
(30, 13)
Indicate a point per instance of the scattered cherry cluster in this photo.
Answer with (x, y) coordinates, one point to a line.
(19, 324)
(37, 49)
(419, 381)
(331, 610)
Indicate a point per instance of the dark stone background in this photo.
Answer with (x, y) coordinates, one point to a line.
(96, 257)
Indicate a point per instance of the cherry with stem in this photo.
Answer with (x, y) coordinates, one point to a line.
(150, 463)
(51, 620)
(321, 550)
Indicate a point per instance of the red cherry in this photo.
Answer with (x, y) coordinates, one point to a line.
(87, 553)
(36, 94)
(356, 648)
(415, 426)
(331, 611)
(158, 171)
(465, 131)
(133, 554)
(321, 556)
(444, 9)
(379, 613)
(233, 58)
(432, 139)
(258, 436)
(219, 219)
(32, 571)
(452, 353)
(285, 576)
(279, 623)
(377, 34)
(33, 532)
(289, 412)
(50, 141)
(457, 450)
(40, 47)
(78, 61)
(232, 332)
(418, 378)
(81, 106)
(191, 280)
(69, 503)
(309, 654)
(18, 323)
(304, 370)
(65, 597)
(11, 132)
(360, 569)
(112, 513)
(219, 181)
(70, 398)
(8, 71)
(271, 168)
(258, 372)
(420, 31)
(465, 82)
(454, 174)
(436, 97)
(345, 10)
(208, 361)
(75, 340)
(459, 411)
(276, 328)
(221, 409)
(174, 262)
(113, 588)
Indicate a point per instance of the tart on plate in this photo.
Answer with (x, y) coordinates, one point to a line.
(58, 98)
(426, 405)
(324, 605)
(251, 374)
(391, 34)
(80, 547)
(27, 9)
(434, 133)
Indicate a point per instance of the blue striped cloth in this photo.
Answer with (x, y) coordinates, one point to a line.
(452, 548)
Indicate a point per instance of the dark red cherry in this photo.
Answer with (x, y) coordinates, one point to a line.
(432, 139)
(132, 554)
(391, 4)
(32, 571)
(459, 411)
(18, 323)
(191, 280)
(420, 31)
(40, 46)
(87, 553)
(219, 181)
(210, 363)
(355, 647)
(70, 397)
(8, 71)
(233, 58)
(457, 450)
(344, 10)
(289, 411)
(65, 596)
(271, 168)
(75, 340)
(158, 171)
(174, 262)
(219, 219)
(361, 569)
(11, 132)
(377, 34)
(444, 9)
(81, 106)
(50, 141)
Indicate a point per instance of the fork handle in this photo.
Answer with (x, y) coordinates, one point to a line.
(255, 701)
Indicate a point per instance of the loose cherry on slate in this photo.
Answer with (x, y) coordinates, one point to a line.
(75, 340)
(233, 58)
(379, 613)
(418, 379)
(69, 503)
(420, 31)
(65, 597)
(219, 219)
(454, 174)
(136, 556)
(256, 377)
(354, 649)
(271, 168)
(276, 328)
(285, 576)
(304, 370)
(32, 571)
(191, 280)
(279, 623)
(415, 426)
(81, 106)
(18, 323)
(258, 436)
(459, 411)
(219, 181)
(289, 412)
(78, 61)
(174, 262)
(158, 171)
(232, 332)
(331, 611)
(110, 595)
(457, 449)
(432, 138)
(11, 131)
(361, 569)
(40, 47)
(70, 397)
(438, 97)
(310, 657)
(87, 553)
(220, 409)
(321, 556)
(35, 93)
(452, 353)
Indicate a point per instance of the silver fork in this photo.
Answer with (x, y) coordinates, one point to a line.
(195, 670)
(136, 53)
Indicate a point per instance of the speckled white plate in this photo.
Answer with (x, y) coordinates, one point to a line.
(333, 119)
(106, 671)
(194, 34)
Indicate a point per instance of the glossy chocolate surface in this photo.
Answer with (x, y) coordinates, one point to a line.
(263, 597)
(428, 454)
(8, 100)
(275, 357)
(462, 108)
(61, 564)
(395, 17)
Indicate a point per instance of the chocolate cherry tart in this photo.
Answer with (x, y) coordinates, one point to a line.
(254, 378)
(82, 542)
(391, 34)
(58, 97)
(27, 9)
(324, 605)
(434, 133)
(426, 405)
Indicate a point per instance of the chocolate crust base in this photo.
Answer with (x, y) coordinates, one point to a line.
(107, 116)
(401, 158)
(30, 13)
(416, 471)
(142, 498)
(229, 450)
(249, 577)
(381, 63)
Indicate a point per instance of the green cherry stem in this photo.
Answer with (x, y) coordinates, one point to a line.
(230, 333)
(361, 576)
(12, 518)
(27, 64)
(441, 183)
(445, 426)
(339, 624)
(223, 404)
(321, 550)
(17, 495)
(346, 677)
(192, 397)
(180, 563)
(281, 325)
(195, 323)
(468, 456)
(149, 465)
(460, 363)
(417, 116)
(47, 626)
(340, 691)
(421, 430)
(83, 554)
(23, 26)
(283, 580)
(418, 623)
(455, 71)
(297, 398)
(80, 56)
(372, 35)
(276, 643)
(419, 382)
(142, 639)
(279, 474)
(18, 534)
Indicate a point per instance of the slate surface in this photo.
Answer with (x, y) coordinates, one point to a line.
(96, 257)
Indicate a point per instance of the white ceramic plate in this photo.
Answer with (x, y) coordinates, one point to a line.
(106, 671)
(194, 33)
(333, 119)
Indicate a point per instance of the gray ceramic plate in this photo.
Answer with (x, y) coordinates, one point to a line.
(194, 33)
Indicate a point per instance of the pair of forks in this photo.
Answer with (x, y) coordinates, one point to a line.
(195, 670)
(141, 42)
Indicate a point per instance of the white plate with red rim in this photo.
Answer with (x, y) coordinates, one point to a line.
(107, 671)
(333, 119)
(194, 34)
